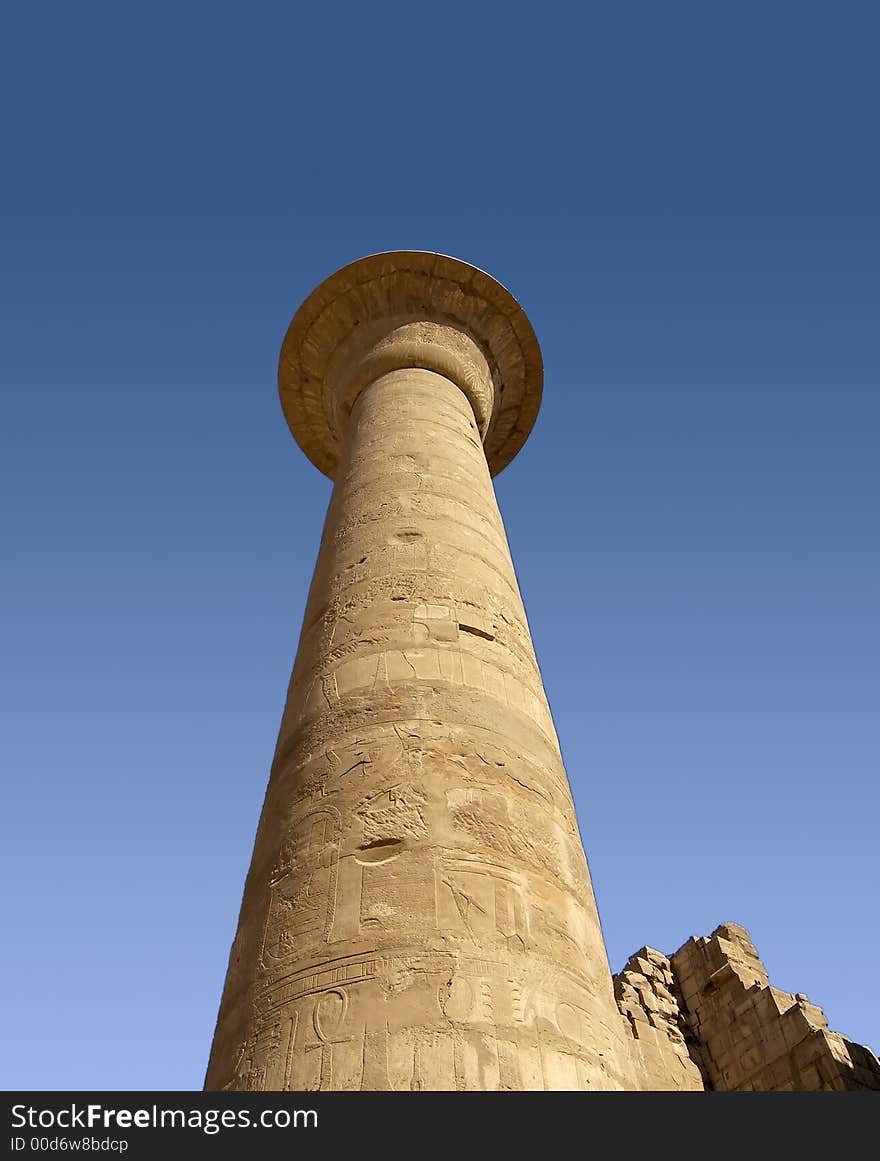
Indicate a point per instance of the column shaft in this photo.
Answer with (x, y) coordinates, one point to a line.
(418, 912)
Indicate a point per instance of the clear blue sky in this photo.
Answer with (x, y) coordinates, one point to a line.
(685, 199)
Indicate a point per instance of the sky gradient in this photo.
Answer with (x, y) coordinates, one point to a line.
(685, 201)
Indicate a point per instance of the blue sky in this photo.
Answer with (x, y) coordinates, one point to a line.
(684, 197)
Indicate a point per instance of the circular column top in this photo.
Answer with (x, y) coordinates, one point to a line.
(408, 286)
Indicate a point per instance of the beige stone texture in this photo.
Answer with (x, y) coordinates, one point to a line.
(418, 912)
(741, 1033)
(668, 1057)
(756, 1037)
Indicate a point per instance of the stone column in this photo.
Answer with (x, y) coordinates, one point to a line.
(418, 912)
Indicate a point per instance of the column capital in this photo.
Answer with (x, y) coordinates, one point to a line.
(409, 308)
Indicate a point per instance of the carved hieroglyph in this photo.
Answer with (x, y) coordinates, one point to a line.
(418, 912)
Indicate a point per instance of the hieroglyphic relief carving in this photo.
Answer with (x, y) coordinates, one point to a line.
(328, 1020)
(363, 613)
(397, 811)
(485, 902)
(254, 1058)
(394, 898)
(302, 888)
(501, 823)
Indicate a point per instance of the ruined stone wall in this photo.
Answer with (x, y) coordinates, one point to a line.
(756, 1037)
(666, 1054)
(710, 1009)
